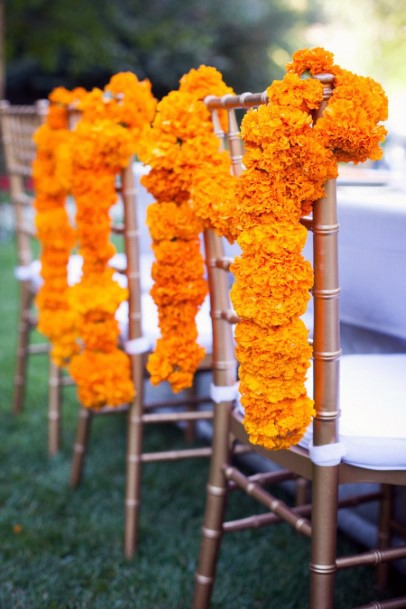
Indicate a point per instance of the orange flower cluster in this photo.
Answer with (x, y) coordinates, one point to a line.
(288, 160)
(56, 319)
(356, 100)
(102, 143)
(125, 100)
(184, 155)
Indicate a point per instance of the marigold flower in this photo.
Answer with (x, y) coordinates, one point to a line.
(288, 159)
(57, 237)
(85, 162)
(102, 378)
(184, 156)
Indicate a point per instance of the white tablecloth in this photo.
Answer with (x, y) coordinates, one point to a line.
(372, 258)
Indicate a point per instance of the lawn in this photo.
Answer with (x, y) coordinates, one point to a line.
(62, 549)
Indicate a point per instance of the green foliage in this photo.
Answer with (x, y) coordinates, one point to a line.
(62, 549)
(79, 42)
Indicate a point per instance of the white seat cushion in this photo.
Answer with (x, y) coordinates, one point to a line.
(32, 272)
(372, 425)
(149, 322)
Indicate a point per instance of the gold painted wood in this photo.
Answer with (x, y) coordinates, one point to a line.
(18, 125)
(225, 477)
(139, 413)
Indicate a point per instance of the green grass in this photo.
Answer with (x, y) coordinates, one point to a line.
(62, 549)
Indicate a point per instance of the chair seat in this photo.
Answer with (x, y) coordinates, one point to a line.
(372, 425)
(149, 315)
(150, 327)
(373, 411)
(32, 272)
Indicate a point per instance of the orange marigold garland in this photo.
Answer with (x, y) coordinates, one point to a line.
(288, 160)
(183, 153)
(56, 319)
(103, 142)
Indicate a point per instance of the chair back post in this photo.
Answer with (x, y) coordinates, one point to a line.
(326, 355)
(326, 291)
(131, 244)
(224, 361)
(235, 144)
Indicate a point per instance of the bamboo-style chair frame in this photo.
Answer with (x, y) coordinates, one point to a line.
(140, 413)
(18, 125)
(228, 427)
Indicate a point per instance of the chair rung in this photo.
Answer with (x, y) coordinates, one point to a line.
(265, 478)
(262, 520)
(118, 229)
(307, 222)
(222, 263)
(394, 603)
(38, 348)
(275, 505)
(398, 527)
(27, 230)
(174, 417)
(175, 455)
(178, 403)
(372, 557)
(250, 522)
(272, 477)
(242, 449)
(23, 199)
(230, 316)
(32, 319)
(107, 410)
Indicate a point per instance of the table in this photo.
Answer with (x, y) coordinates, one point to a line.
(372, 258)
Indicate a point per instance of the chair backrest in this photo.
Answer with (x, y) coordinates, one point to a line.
(218, 263)
(324, 225)
(18, 125)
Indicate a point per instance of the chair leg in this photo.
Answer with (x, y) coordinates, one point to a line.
(134, 472)
(190, 426)
(80, 447)
(215, 507)
(384, 534)
(22, 344)
(324, 538)
(54, 409)
(302, 491)
(135, 440)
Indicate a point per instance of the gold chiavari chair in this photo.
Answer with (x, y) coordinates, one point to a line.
(138, 336)
(370, 448)
(18, 125)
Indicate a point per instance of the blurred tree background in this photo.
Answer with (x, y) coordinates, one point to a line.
(47, 43)
(77, 42)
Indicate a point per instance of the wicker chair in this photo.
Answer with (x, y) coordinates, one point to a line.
(370, 385)
(18, 124)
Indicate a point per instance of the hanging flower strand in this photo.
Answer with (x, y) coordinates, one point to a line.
(103, 142)
(180, 144)
(57, 237)
(288, 160)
